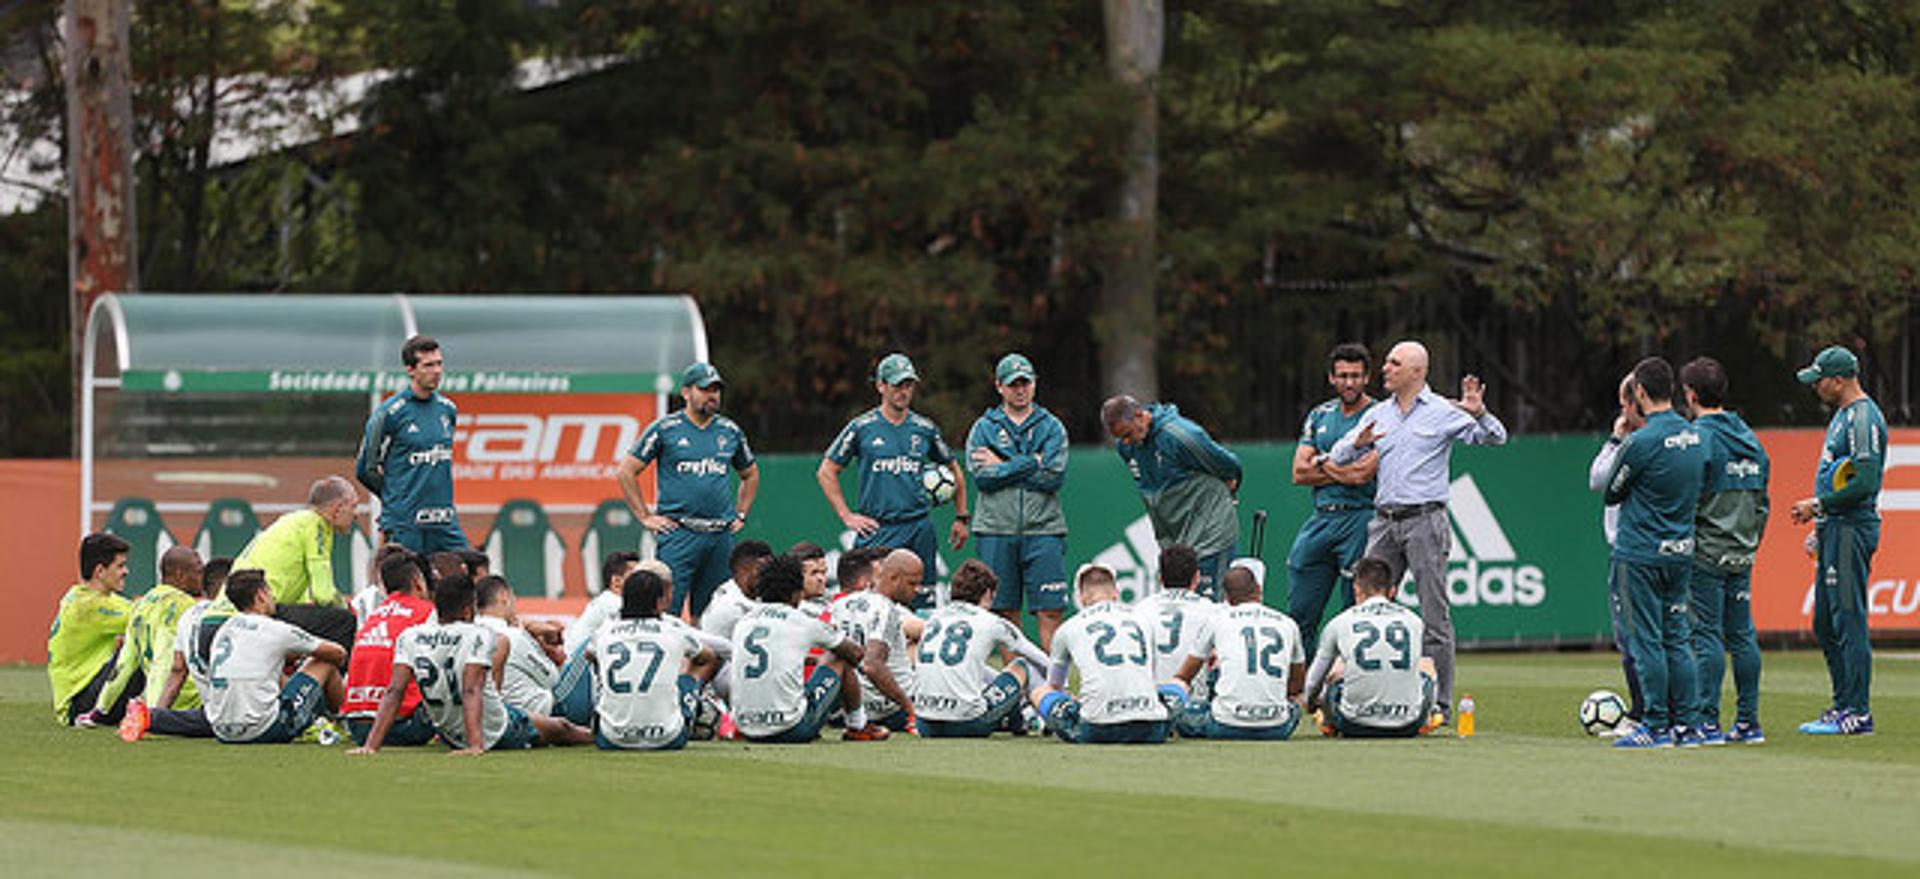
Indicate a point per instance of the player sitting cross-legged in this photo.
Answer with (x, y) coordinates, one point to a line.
(1118, 702)
(772, 704)
(458, 665)
(1259, 664)
(1377, 683)
(879, 621)
(956, 693)
(651, 668)
(247, 700)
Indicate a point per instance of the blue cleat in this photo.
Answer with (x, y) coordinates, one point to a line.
(1827, 724)
(1645, 737)
(1745, 733)
(1712, 736)
(1688, 737)
(1856, 724)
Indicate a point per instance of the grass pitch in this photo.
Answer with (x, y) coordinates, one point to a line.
(1531, 795)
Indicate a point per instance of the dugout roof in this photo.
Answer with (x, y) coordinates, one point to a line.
(234, 342)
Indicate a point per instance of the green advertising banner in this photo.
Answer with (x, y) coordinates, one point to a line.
(1528, 565)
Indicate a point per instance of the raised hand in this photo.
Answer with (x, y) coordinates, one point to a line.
(1471, 391)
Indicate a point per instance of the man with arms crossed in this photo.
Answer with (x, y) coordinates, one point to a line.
(1260, 669)
(1846, 516)
(1656, 480)
(955, 692)
(894, 444)
(1320, 563)
(406, 456)
(1185, 478)
(1368, 676)
(247, 703)
(1118, 702)
(1017, 453)
(693, 523)
(772, 703)
(1414, 430)
(1728, 525)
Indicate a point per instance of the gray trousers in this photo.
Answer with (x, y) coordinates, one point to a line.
(1420, 544)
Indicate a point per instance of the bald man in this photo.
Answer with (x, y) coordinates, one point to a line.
(1414, 430)
(878, 620)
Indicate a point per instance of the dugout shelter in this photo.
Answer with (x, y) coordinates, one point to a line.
(204, 416)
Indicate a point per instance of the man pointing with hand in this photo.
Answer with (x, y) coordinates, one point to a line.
(1414, 430)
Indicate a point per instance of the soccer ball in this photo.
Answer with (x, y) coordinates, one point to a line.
(938, 481)
(1603, 710)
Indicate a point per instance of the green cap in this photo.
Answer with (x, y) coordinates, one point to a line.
(1833, 361)
(895, 369)
(701, 375)
(1012, 368)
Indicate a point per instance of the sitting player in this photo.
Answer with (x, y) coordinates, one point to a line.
(370, 596)
(1377, 685)
(146, 654)
(532, 661)
(86, 632)
(457, 665)
(650, 669)
(190, 661)
(247, 700)
(879, 621)
(371, 669)
(1118, 702)
(772, 704)
(573, 692)
(813, 562)
(956, 693)
(734, 598)
(1260, 659)
(1174, 616)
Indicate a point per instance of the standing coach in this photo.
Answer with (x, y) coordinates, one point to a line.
(1414, 430)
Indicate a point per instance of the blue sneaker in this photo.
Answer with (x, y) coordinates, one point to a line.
(1712, 736)
(1687, 737)
(1645, 737)
(1745, 733)
(1827, 724)
(1856, 724)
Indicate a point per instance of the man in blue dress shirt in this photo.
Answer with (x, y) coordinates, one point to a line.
(1414, 430)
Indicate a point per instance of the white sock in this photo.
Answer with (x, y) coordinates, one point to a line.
(857, 718)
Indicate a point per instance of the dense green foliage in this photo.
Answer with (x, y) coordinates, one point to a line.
(1543, 192)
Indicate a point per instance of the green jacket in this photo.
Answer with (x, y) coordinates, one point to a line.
(1020, 495)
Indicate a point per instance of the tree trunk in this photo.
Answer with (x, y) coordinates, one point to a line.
(1126, 323)
(100, 182)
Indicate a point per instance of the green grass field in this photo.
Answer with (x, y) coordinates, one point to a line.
(1529, 795)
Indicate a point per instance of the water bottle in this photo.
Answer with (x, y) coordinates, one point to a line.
(1465, 724)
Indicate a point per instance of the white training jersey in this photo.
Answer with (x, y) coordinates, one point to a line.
(639, 663)
(603, 607)
(950, 669)
(866, 618)
(1109, 646)
(1173, 620)
(1379, 643)
(439, 655)
(527, 681)
(769, 666)
(365, 600)
(1257, 646)
(243, 676)
(729, 604)
(186, 640)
